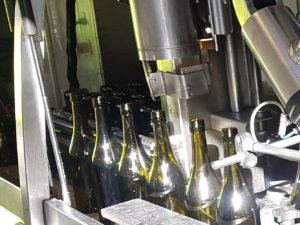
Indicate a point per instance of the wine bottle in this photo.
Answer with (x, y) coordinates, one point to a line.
(81, 149)
(166, 181)
(203, 186)
(104, 158)
(134, 163)
(236, 203)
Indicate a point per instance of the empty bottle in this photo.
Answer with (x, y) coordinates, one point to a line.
(236, 204)
(134, 163)
(104, 158)
(166, 181)
(203, 186)
(80, 149)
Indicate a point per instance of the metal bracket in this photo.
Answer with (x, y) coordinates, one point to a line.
(286, 215)
(58, 213)
(192, 82)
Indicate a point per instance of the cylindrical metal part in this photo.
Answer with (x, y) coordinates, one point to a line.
(230, 160)
(284, 153)
(164, 29)
(220, 16)
(29, 25)
(255, 82)
(269, 34)
(232, 75)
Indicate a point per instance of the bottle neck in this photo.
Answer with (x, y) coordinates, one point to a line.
(129, 136)
(103, 154)
(161, 137)
(85, 127)
(102, 136)
(199, 147)
(80, 118)
(231, 172)
(76, 115)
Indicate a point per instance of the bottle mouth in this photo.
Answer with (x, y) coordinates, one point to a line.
(229, 132)
(158, 115)
(126, 108)
(97, 100)
(196, 124)
(76, 93)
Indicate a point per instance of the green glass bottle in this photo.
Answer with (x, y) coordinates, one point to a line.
(76, 145)
(236, 203)
(80, 149)
(134, 163)
(203, 186)
(104, 158)
(166, 181)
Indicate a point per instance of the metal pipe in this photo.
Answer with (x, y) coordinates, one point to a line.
(287, 142)
(234, 159)
(255, 82)
(56, 150)
(232, 76)
(284, 153)
(277, 149)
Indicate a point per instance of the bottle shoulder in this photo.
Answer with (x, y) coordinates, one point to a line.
(166, 176)
(203, 186)
(236, 201)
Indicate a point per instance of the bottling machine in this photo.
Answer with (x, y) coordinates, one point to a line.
(221, 60)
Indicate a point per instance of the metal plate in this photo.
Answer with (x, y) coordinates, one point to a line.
(138, 211)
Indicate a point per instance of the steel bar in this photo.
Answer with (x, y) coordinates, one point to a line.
(51, 128)
(284, 153)
(232, 75)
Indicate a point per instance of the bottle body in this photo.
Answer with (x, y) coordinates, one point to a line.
(134, 162)
(203, 185)
(166, 181)
(104, 159)
(236, 204)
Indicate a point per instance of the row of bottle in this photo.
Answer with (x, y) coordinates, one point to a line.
(117, 95)
(109, 180)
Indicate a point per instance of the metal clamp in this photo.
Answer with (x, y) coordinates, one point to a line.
(248, 150)
(192, 82)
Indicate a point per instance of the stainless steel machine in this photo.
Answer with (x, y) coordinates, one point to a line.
(219, 60)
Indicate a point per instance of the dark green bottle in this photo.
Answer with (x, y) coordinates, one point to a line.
(134, 163)
(236, 204)
(166, 181)
(80, 149)
(104, 158)
(203, 186)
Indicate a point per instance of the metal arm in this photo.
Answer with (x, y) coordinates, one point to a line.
(30, 29)
(246, 146)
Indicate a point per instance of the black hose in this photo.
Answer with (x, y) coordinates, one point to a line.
(71, 45)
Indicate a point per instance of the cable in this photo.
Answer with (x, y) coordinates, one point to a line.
(255, 111)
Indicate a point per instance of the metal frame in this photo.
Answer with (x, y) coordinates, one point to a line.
(31, 137)
(30, 128)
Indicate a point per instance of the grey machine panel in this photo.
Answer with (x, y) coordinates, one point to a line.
(163, 29)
